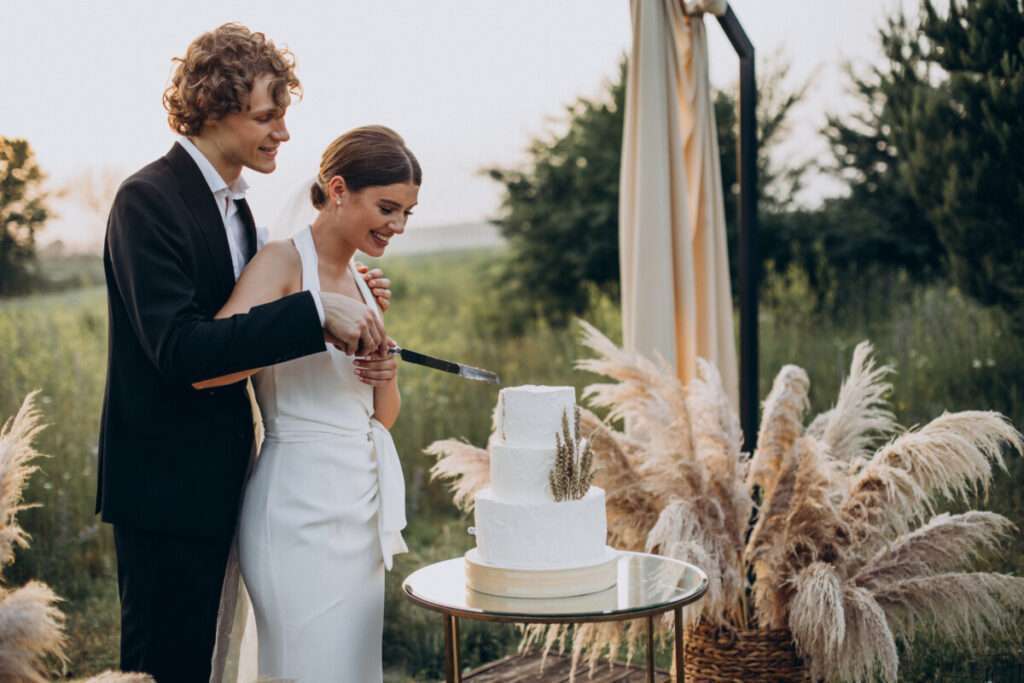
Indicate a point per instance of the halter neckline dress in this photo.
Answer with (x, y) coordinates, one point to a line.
(322, 514)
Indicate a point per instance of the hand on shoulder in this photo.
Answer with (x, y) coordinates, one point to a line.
(379, 285)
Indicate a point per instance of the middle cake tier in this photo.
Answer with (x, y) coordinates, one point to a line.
(541, 535)
(521, 473)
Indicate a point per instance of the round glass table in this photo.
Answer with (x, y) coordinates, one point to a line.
(648, 585)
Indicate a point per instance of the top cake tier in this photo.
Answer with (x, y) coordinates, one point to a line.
(531, 415)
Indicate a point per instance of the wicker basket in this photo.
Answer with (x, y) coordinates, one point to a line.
(715, 654)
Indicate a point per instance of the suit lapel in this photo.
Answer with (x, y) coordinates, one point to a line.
(200, 203)
(250, 228)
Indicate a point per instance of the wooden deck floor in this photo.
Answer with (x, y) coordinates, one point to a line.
(556, 670)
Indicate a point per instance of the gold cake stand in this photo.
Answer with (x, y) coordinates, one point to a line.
(647, 585)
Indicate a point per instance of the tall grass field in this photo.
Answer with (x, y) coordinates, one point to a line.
(949, 355)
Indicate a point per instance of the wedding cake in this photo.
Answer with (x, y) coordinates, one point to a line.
(540, 526)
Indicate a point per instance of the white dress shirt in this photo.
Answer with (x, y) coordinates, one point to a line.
(225, 196)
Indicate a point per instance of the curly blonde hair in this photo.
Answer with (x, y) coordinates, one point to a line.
(216, 76)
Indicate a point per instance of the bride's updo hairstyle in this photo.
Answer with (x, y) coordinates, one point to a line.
(369, 156)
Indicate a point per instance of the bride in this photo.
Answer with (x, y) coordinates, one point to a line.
(324, 509)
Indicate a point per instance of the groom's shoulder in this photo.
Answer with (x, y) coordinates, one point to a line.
(156, 170)
(153, 182)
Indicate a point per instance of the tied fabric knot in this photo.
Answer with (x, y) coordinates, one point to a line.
(390, 492)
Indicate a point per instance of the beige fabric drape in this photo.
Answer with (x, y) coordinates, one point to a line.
(676, 299)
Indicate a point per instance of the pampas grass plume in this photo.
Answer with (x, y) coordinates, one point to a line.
(781, 425)
(467, 467)
(31, 625)
(31, 630)
(860, 417)
(16, 454)
(816, 616)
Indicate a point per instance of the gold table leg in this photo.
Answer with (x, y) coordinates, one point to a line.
(452, 668)
(680, 677)
(456, 664)
(650, 649)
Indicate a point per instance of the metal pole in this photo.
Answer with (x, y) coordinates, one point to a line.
(650, 649)
(452, 667)
(449, 659)
(749, 260)
(680, 676)
(456, 664)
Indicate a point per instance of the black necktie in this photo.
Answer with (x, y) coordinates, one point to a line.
(250, 228)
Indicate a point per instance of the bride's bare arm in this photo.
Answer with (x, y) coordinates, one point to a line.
(273, 273)
(381, 372)
(387, 402)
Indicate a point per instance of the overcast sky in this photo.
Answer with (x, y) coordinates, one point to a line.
(466, 83)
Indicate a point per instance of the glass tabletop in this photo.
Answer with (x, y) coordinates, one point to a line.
(646, 584)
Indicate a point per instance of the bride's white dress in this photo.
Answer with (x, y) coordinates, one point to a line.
(322, 515)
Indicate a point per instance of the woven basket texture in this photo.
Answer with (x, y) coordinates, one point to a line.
(757, 656)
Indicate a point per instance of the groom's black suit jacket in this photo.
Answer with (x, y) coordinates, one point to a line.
(173, 458)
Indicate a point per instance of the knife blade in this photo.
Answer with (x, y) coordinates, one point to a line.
(467, 371)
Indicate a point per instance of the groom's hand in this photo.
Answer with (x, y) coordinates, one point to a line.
(352, 326)
(378, 284)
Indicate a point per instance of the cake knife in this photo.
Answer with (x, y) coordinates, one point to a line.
(467, 371)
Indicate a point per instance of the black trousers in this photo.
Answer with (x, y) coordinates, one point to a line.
(170, 590)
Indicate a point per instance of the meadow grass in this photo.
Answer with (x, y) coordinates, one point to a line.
(949, 354)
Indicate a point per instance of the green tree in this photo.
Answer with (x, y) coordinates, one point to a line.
(23, 211)
(963, 144)
(782, 226)
(560, 212)
(876, 234)
(935, 159)
(879, 224)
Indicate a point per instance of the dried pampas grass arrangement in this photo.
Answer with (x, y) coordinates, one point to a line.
(826, 531)
(31, 624)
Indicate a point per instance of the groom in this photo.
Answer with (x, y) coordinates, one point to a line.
(173, 459)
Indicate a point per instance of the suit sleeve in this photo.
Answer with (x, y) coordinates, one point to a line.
(150, 272)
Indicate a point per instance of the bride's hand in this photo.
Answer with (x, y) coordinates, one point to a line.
(378, 284)
(378, 369)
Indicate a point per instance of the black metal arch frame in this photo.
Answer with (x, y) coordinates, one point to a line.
(748, 252)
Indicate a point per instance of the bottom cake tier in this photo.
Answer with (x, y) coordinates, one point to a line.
(541, 583)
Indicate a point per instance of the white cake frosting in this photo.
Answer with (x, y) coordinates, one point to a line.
(519, 474)
(531, 415)
(522, 455)
(519, 525)
(545, 535)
